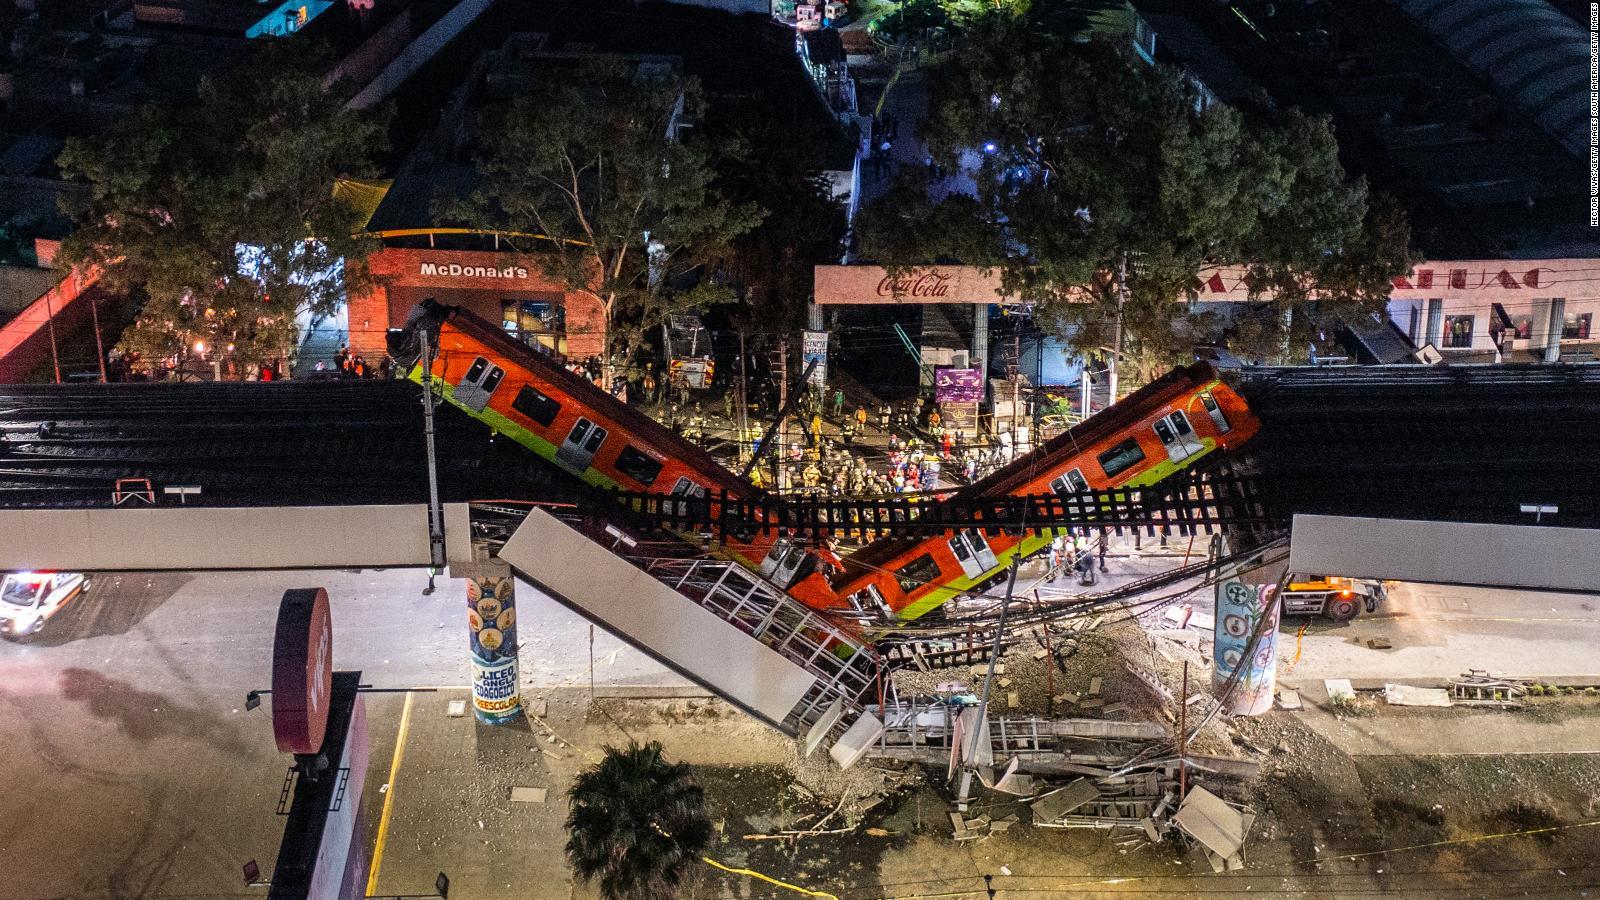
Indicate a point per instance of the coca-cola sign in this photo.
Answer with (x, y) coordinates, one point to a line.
(930, 284)
(925, 285)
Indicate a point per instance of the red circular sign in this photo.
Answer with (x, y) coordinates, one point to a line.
(302, 670)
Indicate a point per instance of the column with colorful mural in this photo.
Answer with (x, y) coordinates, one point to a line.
(1241, 609)
(492, 618)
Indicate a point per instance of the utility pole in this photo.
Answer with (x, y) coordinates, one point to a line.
(978, 731)
(1116, 330)
(778, 470)
(55, 354)
(99, 347)
(435, 512)
(744, 400)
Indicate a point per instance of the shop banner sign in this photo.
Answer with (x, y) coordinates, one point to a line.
(815, 347)
(952, 385)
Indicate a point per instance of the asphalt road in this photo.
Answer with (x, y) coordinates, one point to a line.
(1439, 631)
(132, 768)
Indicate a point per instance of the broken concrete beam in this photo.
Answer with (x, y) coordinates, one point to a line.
(1056, 804)
(1150, 830)
(956, 821)
(1101, 728)
(1406, 695)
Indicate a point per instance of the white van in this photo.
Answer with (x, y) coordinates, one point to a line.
(28, 599)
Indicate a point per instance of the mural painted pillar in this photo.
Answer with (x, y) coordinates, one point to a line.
(1241, 609)
(492, 620)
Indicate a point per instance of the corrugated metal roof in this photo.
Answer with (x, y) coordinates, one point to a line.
(1506, 41)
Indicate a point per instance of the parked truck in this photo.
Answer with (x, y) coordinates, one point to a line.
(1337, 598)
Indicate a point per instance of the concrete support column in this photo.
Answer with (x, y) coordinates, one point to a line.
(1240, 611)
(492, 620)
(1558, 321)
(980, 339)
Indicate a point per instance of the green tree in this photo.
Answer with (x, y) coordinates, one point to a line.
(589, 158)
(1092, 162)
(637, 823)
(219, 211)
(772, 265)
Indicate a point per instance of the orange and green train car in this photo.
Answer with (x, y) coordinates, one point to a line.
(1152, 433)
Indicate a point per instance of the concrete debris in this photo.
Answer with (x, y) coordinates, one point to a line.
(1288, 699)
(1339, 689)
(1406, 695)
(1379, 643)
(1477, 687)
(1094, 685)
(1210, 820)
(1014, 700)
(1058, 803)
(527, 795)
(1182, 636)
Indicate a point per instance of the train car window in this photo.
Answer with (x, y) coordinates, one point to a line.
(1180, 423)
(638, 466)
(580, 430)
(597, 436)
(1121, 458)
(1218, 417)
(920, 571)
(533, 403)
(493, 380)
(475, 371)
(1071, 483)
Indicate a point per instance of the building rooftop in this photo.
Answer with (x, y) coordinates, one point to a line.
(1478, 176)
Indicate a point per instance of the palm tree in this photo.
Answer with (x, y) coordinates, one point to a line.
(637, 823)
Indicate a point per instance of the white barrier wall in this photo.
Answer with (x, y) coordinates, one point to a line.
(1516, 556)
(202, 538)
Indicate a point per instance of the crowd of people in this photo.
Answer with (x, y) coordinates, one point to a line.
(354, 365)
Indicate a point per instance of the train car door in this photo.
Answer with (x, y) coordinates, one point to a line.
(1214, 410)
(782, 563)
(1071, 483)
(970, 566)
(477, 386)
(686, 488)
(1177, 436)
(576, 452)
(973, 553)
(980, 548)
(870, 601)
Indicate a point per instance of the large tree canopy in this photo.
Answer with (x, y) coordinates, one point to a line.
(220, 211)
(1088, 157)
(589, 158)
(773, 264)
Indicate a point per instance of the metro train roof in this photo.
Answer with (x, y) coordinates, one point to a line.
(642, 427)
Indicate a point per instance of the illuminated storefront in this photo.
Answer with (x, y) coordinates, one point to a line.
(508, 288)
